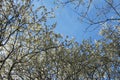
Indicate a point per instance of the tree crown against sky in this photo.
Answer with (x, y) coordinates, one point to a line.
(31, 50)
(95, 12)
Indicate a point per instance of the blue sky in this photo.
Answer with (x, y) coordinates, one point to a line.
(69, 24)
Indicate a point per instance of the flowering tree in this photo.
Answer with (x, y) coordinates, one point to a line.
(31, 50)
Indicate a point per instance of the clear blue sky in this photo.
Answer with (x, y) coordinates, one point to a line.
(69, 24)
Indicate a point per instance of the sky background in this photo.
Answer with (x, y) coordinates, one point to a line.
(68, 22)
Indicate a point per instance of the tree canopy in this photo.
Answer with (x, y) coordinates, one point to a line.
(31, 50)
